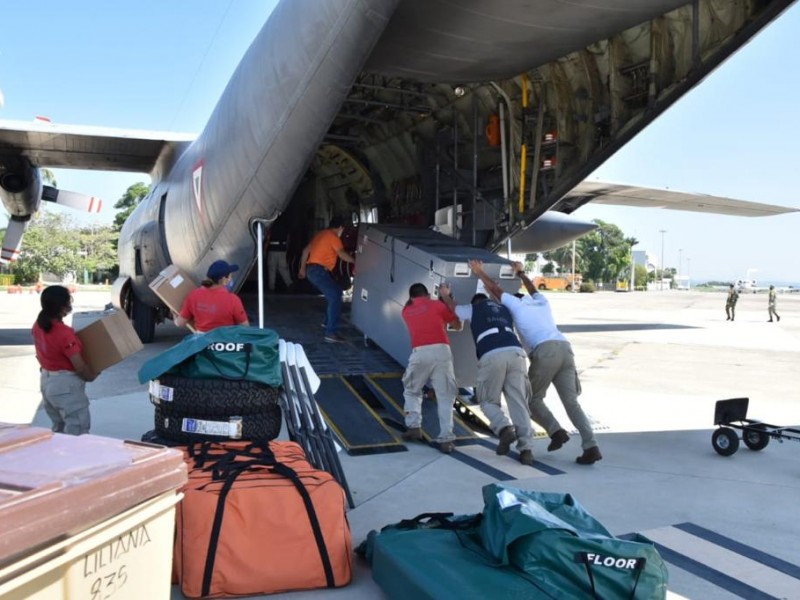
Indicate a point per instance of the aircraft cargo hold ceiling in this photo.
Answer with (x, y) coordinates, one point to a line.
(569, 83)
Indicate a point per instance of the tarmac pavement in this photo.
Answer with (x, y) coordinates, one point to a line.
(652, 367)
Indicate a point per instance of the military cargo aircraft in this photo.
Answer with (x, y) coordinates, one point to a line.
(484, 116)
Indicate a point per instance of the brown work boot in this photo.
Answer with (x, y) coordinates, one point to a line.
(412, 434)
(446, 447)
(589, 456)
(558, 439)
(508, 435)
(526, 458)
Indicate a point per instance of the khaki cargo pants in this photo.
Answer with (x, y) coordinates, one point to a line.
(553, 362)
(433, 362)
(65, 401)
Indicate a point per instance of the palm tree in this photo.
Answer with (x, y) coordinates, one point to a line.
(48, 177)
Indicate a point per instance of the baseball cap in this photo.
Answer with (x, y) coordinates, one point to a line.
(220, 269)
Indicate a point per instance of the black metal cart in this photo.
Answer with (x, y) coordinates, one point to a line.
(731, 415)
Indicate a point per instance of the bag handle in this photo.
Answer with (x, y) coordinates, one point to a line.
(583, 557)
(248, 348)
(281, 469)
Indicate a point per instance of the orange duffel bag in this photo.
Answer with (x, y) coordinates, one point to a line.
(259, 519)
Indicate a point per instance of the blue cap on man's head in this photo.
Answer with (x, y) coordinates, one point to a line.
(220, 269)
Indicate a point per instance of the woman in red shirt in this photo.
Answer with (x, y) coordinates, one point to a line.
(212, 305)
(64, 372)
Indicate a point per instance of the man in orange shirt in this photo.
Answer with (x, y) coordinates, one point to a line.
(316, 262)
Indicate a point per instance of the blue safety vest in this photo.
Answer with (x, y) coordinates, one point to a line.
(492, 327)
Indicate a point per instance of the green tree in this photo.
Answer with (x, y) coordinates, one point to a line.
(548, 269)
(48, 177)
(129, 201)
(604, 252)
(641, 276)
(98, 248)
(50, 245)
(530, 262)
(563, 256)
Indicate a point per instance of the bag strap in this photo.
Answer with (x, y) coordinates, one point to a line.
(439, 521)
(248, 349)
(583, 557)
(230, 470)
(427, 520)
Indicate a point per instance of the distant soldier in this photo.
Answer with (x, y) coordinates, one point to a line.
(771, 304)
(730, 303)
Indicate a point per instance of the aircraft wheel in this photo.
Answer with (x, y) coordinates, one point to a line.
(144, 320)
(755, 436)
(725, 441)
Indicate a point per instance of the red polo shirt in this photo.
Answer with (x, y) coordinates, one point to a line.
(54, 348)
(426, 320)
(210, 308)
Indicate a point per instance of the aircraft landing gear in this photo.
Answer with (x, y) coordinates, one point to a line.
(143, 317)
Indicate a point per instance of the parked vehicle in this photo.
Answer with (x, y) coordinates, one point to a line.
(557, 282)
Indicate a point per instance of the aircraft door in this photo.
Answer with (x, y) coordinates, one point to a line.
(150, 258)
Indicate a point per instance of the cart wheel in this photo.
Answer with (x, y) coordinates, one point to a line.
(725, 441)
(755, 436)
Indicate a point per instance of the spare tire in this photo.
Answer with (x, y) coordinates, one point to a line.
(212, 397)
(182, 427)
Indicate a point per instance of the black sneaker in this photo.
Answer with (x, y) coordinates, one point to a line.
(508, 435)
(589, 456)
(559, 438)
(413, 434)
(526, 458)
(446, 447)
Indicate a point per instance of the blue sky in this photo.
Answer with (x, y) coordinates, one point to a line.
(163, 65)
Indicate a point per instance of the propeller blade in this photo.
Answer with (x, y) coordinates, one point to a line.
(72, 199)
(13, 240)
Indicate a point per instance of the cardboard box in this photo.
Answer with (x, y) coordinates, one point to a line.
(172, 286)
(108, 341)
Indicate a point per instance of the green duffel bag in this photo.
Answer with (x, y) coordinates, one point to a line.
(236, 353)
(555, 542)
(437, 556)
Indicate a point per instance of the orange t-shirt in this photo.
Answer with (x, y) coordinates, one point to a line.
(323, 249)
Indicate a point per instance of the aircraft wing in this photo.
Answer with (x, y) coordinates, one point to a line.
(598, 192)
(83, 147)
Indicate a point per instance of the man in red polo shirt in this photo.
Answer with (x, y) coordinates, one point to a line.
(430, 359)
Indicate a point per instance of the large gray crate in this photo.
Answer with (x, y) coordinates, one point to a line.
(390, 258)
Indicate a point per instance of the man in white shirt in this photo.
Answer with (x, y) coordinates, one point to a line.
(552, 361)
